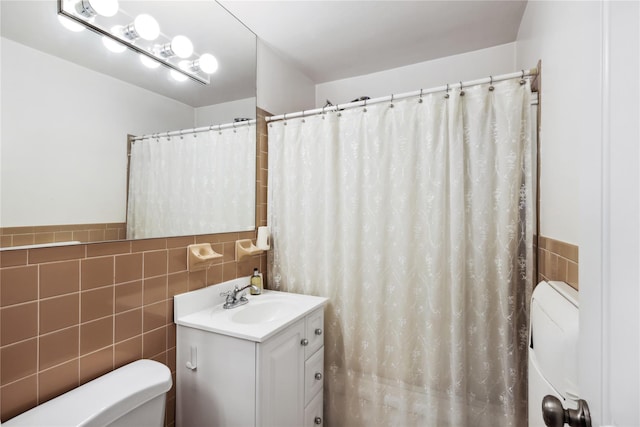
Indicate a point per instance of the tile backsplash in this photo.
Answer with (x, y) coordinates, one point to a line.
(557, 261)
(70, 314)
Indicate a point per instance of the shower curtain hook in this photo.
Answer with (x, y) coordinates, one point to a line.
(522, 81)
(234, 127)
(491, 88)
(420, 100)
(338, 113)
(285, 119)
(168, 136)
(181, 137)
(303, 120)
(364, 110)
(446, 95)
(219, 129)
(391, 104)
(461, 90)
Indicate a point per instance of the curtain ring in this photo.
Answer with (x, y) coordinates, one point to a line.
(364, 110)
(446, 95)
(461, 90)
(522, 81)
(491, 88)
(234, 127)
(420, 100)
(338, 113)
(284, 119)
(391, 104)
(181, 137)
(303, 120)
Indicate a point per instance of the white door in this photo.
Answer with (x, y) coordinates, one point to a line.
(610, 218)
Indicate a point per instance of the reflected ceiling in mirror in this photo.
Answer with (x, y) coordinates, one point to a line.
(68, 105)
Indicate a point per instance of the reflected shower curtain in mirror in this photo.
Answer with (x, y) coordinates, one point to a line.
(415, 219)
(193, 184)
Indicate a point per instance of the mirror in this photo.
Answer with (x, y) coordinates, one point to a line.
(68, 105)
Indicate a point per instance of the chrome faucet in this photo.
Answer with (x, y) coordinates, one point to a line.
(232, 300)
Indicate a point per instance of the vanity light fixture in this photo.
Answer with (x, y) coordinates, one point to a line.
(149, 63)
(101, 16)
(91, 8)
(70, 24)
(111, 44)
(144, 26)
(179, 46)
(207, 63)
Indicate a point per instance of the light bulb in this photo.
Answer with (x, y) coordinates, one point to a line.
(111, 44)
(144, 26)
(207, 63)
(148, 62)
(181, 46)
(90, 8)
(69, 24)
(178, 76)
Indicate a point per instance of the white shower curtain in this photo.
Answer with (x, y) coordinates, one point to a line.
(415, 220)
(195, 184)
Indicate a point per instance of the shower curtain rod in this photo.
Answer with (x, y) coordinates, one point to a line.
(182, 132)
(448, 87)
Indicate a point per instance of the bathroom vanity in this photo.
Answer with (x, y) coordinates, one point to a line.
(260, 364)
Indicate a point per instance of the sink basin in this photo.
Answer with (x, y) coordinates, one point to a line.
(259, 312)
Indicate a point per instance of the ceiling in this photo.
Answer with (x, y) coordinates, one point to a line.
(330, 40)
(326, 40)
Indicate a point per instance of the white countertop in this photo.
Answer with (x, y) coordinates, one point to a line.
(202, 309)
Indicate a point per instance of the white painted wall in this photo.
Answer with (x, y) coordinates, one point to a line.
(225, 112)
(64, 138)
(565, 36)
(281, 87)
(451, 69)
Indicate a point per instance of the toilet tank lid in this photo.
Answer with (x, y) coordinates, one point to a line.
(102, 400)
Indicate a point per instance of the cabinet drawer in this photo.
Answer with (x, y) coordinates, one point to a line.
(313, 375)
(314, 332)
(313, 416)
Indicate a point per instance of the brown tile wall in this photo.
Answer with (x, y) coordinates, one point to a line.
(261, 168)
(85, 233)
(70, 314)
(557, 261)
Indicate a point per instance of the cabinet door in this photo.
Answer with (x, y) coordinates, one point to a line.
(280, 379)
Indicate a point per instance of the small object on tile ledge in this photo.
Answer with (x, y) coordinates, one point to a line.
(246, 247)
(201, 256)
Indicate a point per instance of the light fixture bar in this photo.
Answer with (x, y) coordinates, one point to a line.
(102, 32)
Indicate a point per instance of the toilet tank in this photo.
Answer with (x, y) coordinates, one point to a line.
(553, 347)
(133, 395)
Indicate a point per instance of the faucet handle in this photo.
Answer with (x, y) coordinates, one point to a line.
(230, 293)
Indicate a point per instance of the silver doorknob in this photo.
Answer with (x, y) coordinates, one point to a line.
(317, 420)
(318, 331)
(555, 415)
(318, 376)
(304, 342)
